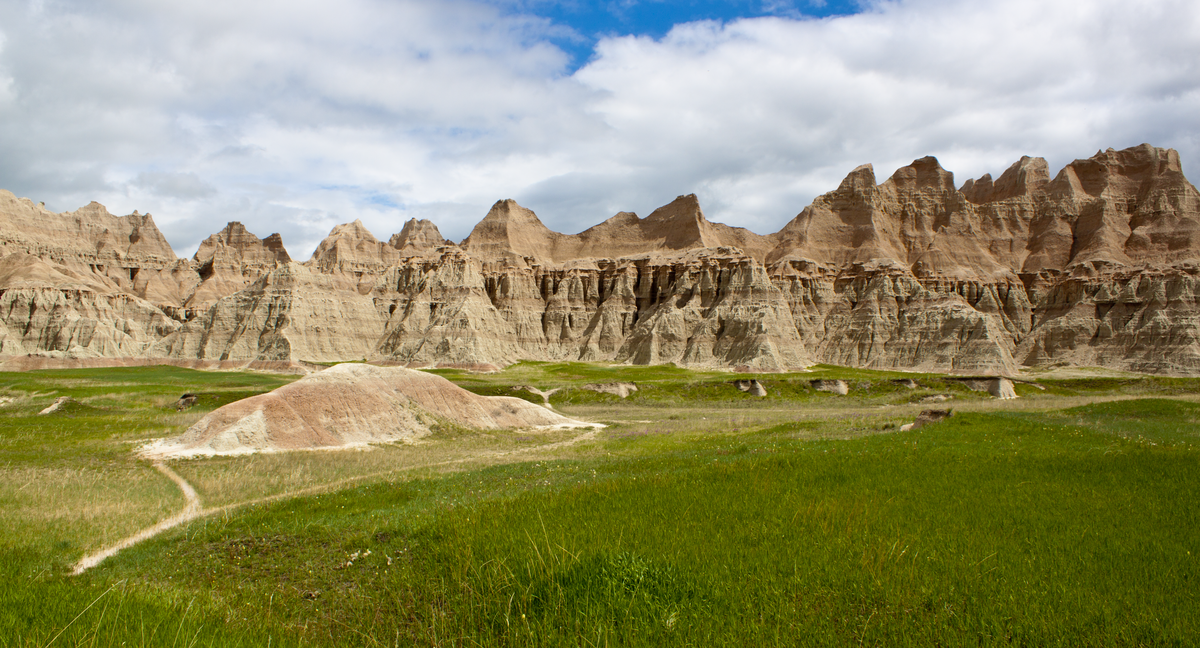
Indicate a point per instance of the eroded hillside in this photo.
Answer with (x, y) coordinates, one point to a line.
(1097, 265)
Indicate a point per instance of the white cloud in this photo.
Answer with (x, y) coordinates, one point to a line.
(295, 116)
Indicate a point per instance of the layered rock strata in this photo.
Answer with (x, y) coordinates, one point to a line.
(289, 313)
(123, 253)
(418, 237)
(229, 261)
(1096, 265)
(511, 232)
(702, 307)
(58, 311)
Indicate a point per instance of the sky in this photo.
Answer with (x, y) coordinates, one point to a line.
(293, 116)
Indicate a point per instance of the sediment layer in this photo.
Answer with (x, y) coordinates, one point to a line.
(1097, 265)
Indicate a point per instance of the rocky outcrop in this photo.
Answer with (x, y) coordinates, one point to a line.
(912, 273)
(752, 387)
(1143, 319)
(89, 236)
(230, 260)
(838, 387)
(997, 386)
(1095, 265)
(288, 313)
(713, 307)
(511, 232)
(927, 417)
(418, 237)
(58, 404)
(124, 253)
(354, 256)
(708, 307)
(437, 312)
(56, 310)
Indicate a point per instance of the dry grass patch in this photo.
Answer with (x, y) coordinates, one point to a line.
(84, 508)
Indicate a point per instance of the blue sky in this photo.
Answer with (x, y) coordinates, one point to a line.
(294, 117)
(588, 22)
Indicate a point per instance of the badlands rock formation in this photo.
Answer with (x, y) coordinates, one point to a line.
(1097, 265)
(230, 260)
(49, 307)
(351, 405)
(418, 237)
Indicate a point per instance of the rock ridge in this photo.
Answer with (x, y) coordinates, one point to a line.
(1097, 264)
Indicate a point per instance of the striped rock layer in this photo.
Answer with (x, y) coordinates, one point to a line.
(1098, 265)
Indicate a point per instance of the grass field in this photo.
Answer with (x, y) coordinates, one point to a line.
(700, 515)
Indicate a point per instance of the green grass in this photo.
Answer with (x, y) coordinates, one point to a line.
(113, 408)
(669, 386)
(70, 481)
(1152, 420)
(800, 519)
(984, 530)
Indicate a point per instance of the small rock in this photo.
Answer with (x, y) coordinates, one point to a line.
(931, 416)
(57, 405)
(1002, 388)
(833, 386)
(906, 382)
(937, 398)
(752, 386)
(999, 387)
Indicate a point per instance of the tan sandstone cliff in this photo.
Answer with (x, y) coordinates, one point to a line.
(231, 260)
(1095, 265)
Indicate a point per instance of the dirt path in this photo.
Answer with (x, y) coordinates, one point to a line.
(190, 511)
(194, 510)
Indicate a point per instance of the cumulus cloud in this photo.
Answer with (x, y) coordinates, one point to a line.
(296, 116)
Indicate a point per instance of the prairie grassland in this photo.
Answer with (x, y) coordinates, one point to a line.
(223, 482)
(70, 480)
(700, 516)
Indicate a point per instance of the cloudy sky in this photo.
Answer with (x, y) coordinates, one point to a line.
(295, 115)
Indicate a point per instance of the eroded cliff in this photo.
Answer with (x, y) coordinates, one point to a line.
(1097, 265)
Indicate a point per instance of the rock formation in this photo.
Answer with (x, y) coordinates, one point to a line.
(751, 386)
(838, 387)
(230, 260)
(511, 232)
(126, 253)
(998, 387)
(418, 237)
(53, 309)
(351, 405)
(927, 417)
(57, 405)
(354, 253)
(911, 273)
(1097, 265)
(291, 312)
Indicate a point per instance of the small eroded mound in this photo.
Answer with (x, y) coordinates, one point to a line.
(350, 405)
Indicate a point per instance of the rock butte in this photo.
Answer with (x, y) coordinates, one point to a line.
(1098, 265)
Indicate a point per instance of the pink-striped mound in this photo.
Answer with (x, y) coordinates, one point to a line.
(351, 405)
